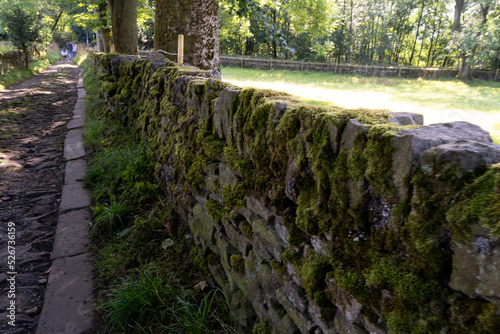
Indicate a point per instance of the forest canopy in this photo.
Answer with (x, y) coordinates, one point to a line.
(389, 32)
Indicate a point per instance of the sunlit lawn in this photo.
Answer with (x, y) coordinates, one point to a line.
(477, 101)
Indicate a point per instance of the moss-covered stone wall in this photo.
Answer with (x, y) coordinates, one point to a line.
(321, 220)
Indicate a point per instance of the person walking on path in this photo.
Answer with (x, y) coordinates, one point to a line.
(75, 49)
(69, 47)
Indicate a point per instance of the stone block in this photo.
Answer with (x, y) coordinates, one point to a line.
(69, 301)
(467, 155)
(410, 144)
(72, 234)
(266, 242)
(73, 197)
(351, 131)
(476, 266)
(222, 112)
(74, 171)
(406, 118)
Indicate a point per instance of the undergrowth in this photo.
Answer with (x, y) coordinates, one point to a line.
(146, 280)
(35, 66)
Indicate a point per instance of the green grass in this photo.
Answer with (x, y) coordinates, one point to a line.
(479, 95)
(443, 100)
(144, 273)
(35, 66)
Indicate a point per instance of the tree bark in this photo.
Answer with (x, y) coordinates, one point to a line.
(465, 70)
(198, 21)
(104, 33)
(124, 25)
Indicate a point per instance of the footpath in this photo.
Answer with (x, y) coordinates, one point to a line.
(68, 302)
(46, 271)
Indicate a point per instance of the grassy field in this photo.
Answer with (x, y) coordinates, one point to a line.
(439, 101)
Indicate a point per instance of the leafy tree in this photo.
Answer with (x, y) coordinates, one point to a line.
(23, 25)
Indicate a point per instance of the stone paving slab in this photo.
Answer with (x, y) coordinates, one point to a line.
(75, 171)
(81, 93)
(79, 84)
(68, 299)
(72, 234)
(75, 123)
(74, 197)
(73, 145)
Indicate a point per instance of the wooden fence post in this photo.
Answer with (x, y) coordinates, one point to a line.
(180, 49)
(496, 75)
(336, 66)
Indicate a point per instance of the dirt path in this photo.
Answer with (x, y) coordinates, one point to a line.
(33, 115)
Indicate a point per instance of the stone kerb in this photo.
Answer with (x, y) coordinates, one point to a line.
(278, 249)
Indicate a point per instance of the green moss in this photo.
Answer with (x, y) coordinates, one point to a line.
(233, 197)
(279, 268)
(478, 204)
(199, 258)
(307, 202)
(247, 230)
(262, 327)
(313, 274)
(109, 87)
(236, 161)
(214, 209)
(238, 263)
(378, 155)
(388, 273)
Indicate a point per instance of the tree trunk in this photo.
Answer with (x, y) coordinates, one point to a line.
(124, 25)
(465, 70)
(418, 31)
(57, 20)
(198, 21)
(104, 33)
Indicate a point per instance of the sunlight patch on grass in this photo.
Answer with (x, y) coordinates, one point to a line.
(445, 100)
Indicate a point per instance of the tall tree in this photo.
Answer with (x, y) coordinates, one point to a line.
(198, 21)
(103, 31)
(124, 25)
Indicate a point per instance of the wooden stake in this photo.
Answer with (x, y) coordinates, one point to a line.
(180, 49)
(496, 74)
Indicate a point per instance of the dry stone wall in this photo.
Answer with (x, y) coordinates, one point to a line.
(321, 220)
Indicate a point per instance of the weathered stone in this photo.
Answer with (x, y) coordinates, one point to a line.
(334, 137)
(222, 112)
(476, 266)
(241, 310)
(227, 176)
(266, 240)
(301, 320)
(116, 62)
(201, 225)
(281, 230)
(237, 239)
(410, 144)
(342, 325)
(260, 209)
(290, 179)
(296, 295)
(286, 326)
(467, 155)
(372, 328)
(406, 118)
(351, 131)
(346, 303)
(323, 316)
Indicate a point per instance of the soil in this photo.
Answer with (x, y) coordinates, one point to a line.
(33, 118)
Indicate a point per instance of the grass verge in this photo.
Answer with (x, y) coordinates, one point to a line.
(146, 280)
(444, 100)
(35, 66)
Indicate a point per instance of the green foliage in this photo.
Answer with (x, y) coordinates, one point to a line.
(153, 297)
(24, 27)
